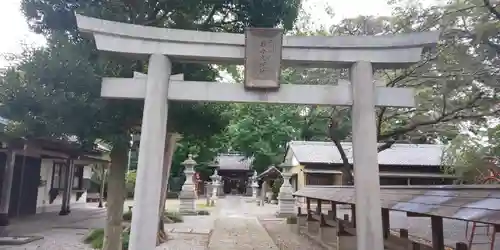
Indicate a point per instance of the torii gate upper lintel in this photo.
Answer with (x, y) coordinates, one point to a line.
(360, 54)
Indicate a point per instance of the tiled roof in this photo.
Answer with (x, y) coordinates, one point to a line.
(398, 154)
(233, 162)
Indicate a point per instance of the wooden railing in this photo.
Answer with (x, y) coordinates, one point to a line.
(332, 232)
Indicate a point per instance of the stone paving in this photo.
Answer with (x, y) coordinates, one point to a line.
(235, 224)
(237, 228)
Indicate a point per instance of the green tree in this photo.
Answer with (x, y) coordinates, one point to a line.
(55, 90)
(455, 85)
(469, 155)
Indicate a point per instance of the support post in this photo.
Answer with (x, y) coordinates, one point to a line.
(103, 184)
(386, 223)
(364, 138)
(67, 188)
(437, 233)
(7, 187)
(151, 153)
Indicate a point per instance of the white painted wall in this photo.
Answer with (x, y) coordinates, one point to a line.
(42, 203)
(295, 162)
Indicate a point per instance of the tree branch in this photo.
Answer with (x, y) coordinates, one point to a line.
(210, 16)
(449, 116)
(491, 9)
(386, 145)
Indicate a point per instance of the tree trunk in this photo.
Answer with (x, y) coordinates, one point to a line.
(103, 184)
(116, 197)
(347, 177)
(171, 141)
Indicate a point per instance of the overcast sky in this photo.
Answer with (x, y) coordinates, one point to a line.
(14, 29)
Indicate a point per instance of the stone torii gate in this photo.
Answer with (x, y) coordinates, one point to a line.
(263, 51)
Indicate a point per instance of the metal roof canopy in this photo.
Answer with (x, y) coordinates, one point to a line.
(478, 203)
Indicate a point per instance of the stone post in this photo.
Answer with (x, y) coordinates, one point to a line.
(187, 196)
(286, 202)
(215, 187)
(151, 155)
(6, 188)
(365, 155)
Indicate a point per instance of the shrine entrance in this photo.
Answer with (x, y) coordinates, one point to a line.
(263, 52)
(234, 186)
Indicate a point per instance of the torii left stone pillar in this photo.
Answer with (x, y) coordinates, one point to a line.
(151, 153)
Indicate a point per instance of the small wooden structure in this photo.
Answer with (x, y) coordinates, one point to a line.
(472, 203)
(267, 179)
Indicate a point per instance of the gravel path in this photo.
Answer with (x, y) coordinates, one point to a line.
(237, 227)
(185, 242)
(285, 239)
(56, 239)
(240, 234)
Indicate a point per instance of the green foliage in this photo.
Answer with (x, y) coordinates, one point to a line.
(291, 220)
(50, 85)
(262, 131)
(276, 187)
(130, 182)
(203, 212)
(467, 156)
(96, 238)
(172, 217)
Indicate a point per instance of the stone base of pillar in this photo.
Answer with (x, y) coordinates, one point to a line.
(4, 220)
(286, 207)
(187, 203)
(65, 211)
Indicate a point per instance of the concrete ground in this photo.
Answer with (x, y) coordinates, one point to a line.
(233, 224)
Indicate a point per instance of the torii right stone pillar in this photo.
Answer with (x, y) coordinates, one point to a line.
(151, 152)
(364, 142)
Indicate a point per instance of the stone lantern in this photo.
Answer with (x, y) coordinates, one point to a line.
(187, 196)
(255, 186)
(215, 187)
(286, 202)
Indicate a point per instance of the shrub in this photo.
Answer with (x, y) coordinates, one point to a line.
(276, 187)
(291, 220)
(172, 195)
(127, 216)
(96, 239)
(203, 212)
(172, 217)
(130, 183)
